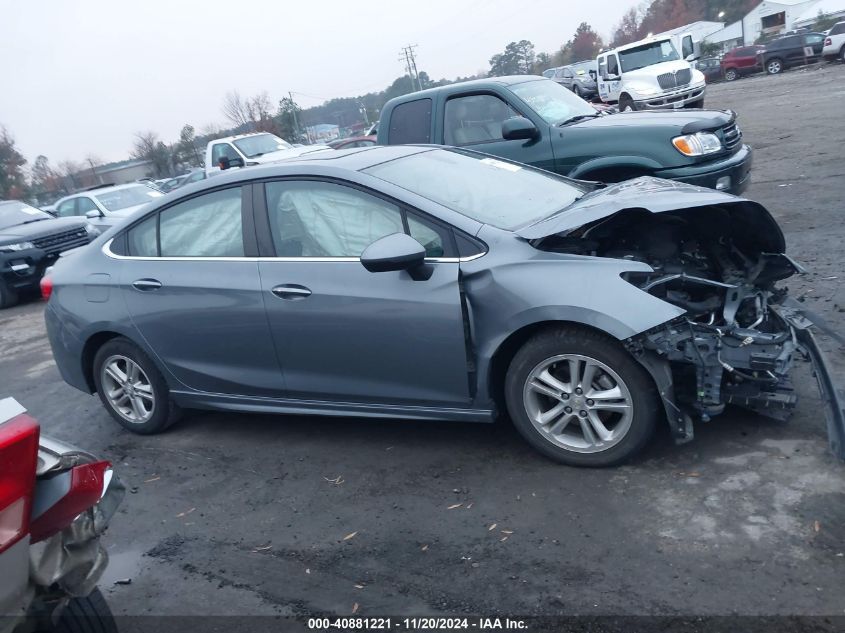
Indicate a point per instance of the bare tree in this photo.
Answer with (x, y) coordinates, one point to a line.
(147, 146)
(236, 109)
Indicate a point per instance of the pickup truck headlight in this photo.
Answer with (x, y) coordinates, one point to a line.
(18, 246)
(697, 144)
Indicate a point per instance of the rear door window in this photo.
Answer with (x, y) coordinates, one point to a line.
(410, 122)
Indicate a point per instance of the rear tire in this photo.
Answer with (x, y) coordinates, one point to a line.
(132, 388)
(8, 297)
(86, 615)
(774, 66)
(555, 413)
(731, 74)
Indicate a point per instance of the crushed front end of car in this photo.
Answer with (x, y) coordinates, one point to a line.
(719, 258)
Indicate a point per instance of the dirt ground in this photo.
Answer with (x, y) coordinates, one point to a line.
(252, 514)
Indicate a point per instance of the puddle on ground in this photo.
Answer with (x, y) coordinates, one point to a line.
(122, 566)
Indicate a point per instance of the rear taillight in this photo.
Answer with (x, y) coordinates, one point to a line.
(76, 490)
(18, 462)
(46, 287)
(828, 41)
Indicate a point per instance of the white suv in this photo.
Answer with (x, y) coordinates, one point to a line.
(834, 42)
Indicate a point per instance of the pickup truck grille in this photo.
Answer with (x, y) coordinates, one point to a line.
(732, 135)
(679, 78)
(60, 242)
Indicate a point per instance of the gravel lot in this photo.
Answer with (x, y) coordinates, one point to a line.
(250, 514)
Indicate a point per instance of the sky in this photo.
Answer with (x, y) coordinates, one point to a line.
(79, 78)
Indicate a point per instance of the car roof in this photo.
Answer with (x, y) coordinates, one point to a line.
(239, 136)
(507, 80)
(98, 190)
(355, 159)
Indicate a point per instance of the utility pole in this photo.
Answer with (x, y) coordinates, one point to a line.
(411, 64)
(295, 122)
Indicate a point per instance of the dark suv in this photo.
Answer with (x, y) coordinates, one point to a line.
(742, 60)
(791, 50)
(30, 241)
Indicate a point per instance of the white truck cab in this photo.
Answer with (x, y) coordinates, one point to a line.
(257, 148)
(651, 74)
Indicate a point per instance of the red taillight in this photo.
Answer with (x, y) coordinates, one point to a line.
(85, 488)
(828, 41)
(46, 287)
(18, 462)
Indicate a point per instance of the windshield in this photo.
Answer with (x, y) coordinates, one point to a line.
(253, 146)
(552, 101)
(486, 189)
(583, 68)
(127, 197)
(15, 213)
(647, 55)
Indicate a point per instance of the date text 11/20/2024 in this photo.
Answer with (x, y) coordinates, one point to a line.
(415, 624)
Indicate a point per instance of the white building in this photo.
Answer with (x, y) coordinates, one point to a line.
(769, 18)
(832, 8)
(699, 30)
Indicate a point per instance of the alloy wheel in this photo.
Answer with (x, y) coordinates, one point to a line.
(578, 403)
(128, 389)
(774, 67)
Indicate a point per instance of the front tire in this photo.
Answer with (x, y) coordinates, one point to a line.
(577, 91)
(8, 297)
(132, 388)
(731, 74)
(580, 398)
(774, 66)
(90, 614)
(626, 104)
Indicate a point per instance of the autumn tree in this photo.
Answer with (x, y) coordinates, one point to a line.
(628, 29)
(44, 180)
(586, 43)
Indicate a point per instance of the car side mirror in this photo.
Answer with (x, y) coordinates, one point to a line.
(227, 163)
(94, 214)
(519, 127)
(397, 251)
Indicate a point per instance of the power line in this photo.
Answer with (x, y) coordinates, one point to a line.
(411, 64)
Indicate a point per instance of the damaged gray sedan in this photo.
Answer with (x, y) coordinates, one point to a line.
(432, 283)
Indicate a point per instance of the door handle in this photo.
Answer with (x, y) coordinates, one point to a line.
(146, 284)
(291, 291)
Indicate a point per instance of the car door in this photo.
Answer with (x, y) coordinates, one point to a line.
(195, 296)
(814, 43)
(222, 150)
(344, 334)
(474, 120)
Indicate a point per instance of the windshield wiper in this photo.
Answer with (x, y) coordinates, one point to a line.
(35, 220)
(579, 117)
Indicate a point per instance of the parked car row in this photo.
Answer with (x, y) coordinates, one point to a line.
(787, 51)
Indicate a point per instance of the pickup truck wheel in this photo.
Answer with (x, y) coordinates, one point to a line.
(731, 74)
(580, 398)
(132, 389)
(774, 66)
(8, 297)
(626, 104)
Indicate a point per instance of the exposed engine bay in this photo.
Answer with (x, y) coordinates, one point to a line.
(740, 334)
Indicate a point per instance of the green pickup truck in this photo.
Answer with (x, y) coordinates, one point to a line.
(536, 121)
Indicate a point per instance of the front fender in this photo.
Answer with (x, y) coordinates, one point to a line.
(615, 162)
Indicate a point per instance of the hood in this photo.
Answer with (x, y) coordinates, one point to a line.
(682, 121)
(657, 196)
(293, 152)
(649, 73)
(42, 228)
